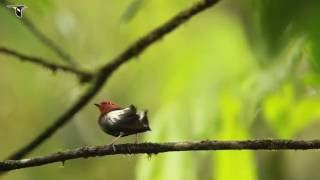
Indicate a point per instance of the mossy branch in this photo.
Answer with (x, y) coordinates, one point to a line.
(82, 75)
(156, 148)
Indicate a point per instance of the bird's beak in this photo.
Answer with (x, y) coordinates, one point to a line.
(98, 105)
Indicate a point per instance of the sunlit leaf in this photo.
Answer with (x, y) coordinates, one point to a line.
(288, 115)
(232, 128)
(132, 10)
(277, 110)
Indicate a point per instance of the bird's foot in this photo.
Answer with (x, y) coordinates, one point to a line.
(114, 148)
(112, 143)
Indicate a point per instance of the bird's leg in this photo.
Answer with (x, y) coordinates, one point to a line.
(112, 143)
(136, 140)
(115, 139)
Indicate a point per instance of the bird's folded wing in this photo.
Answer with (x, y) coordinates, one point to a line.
(125, 119)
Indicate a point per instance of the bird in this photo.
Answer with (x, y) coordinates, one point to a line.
(119, 122)
(18, 9)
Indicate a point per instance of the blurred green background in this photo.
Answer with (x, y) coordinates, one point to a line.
(244, 69)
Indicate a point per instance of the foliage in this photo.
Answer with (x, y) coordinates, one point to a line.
(241, 70)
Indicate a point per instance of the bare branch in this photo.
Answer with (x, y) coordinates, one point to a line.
(43, 38)
(48, 42)
(105, 72)
(155, 148)
(83, 76)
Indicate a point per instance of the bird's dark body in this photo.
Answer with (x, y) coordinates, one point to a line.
(124, 122)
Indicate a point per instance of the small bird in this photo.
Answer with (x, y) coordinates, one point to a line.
(120, 122)
(18, 9)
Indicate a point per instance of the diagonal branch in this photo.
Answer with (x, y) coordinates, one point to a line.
(43, 38)
(83, 76)
(155, 148)
(106, 71)
(48, 42)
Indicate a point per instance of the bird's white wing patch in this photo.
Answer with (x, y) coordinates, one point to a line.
(115, 115)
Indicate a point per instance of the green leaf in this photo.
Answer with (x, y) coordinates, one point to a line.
(276, 23)
(132, 10)
(232, 128)
(288, 115)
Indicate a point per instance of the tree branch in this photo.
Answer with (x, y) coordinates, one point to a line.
(106, 71)
(43, 38)
(83, 76)
(155, 148)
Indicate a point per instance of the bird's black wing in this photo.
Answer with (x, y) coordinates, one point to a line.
(125, 120)
(123, 115)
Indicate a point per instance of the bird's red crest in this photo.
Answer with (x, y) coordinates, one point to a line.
(107, 106)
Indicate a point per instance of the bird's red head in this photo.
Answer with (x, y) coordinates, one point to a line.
(107, 106)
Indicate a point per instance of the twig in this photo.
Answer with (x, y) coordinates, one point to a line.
(155, 148)
(105, 72)
(83, 76)
(43, 38)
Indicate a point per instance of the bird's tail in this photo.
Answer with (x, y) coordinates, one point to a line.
(144, 119)
(133, 108)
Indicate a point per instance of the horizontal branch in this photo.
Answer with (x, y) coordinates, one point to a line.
(42, 37)
(83, 76)
(106, 71)
(156, 148)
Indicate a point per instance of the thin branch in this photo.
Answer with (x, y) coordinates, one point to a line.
(155, 148)
(105, 72)
(43, 38)
(83, 76)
